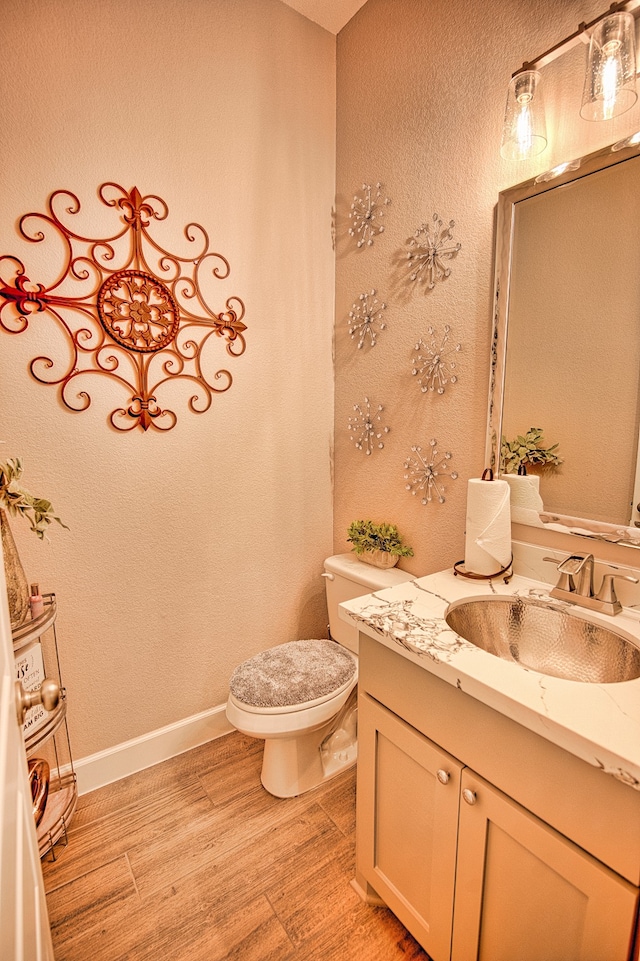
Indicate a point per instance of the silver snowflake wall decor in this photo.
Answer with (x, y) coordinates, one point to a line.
(366, 212)
(425, 472)
(363, 316)
(366, 434)
(432, 365)
(429, 247)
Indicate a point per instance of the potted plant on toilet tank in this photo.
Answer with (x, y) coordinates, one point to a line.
(377, 544)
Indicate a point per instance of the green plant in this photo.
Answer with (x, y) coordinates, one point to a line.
(527, 450)
(367, 536)
(18, 502)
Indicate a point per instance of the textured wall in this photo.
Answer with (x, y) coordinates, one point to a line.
(166, 578)
(172, 570)
(420, 98)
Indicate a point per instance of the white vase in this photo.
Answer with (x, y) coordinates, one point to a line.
(381, 559)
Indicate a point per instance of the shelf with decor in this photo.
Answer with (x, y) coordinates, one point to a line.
(44, 720)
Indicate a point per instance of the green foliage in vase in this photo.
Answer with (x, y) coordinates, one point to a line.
(18, 502)
(527, 450)
(367, 536)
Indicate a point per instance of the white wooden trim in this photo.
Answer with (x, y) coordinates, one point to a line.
(124, 759)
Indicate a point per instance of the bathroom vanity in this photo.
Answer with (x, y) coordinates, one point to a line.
(498, 809)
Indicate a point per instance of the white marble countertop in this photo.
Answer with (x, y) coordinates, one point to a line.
(599, 723)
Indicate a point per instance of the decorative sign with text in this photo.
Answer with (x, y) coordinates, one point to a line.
(30, 672)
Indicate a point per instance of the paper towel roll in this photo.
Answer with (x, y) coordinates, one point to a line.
(488, 531)
(525, 491)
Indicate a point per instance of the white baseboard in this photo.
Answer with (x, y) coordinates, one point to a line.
(117, 762)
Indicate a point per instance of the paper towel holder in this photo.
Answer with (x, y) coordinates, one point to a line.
(459, 568)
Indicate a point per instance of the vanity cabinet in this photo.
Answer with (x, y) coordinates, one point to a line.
(46, 735)
(468, 868)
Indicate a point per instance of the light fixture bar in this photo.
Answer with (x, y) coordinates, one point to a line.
(581, 35)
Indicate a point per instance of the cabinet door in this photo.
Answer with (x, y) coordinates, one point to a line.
(524, 891)
(407, 817)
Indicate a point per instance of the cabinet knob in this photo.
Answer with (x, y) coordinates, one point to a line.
(443, 776)
(48, 694)
(469, 796)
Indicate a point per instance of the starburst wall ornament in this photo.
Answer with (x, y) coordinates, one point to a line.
(424, 473)
(431, 365)
(366, 435)
(366, 212)
(429, 247)
(363, 317)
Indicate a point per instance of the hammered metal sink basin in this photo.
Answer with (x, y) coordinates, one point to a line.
(546, 639)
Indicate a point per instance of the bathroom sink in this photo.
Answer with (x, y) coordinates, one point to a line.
(545, 638)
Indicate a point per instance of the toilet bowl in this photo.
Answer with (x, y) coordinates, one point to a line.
(300, 697)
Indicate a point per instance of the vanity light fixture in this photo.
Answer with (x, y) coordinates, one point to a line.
(610, 80)
(609, 86)
(524, 133)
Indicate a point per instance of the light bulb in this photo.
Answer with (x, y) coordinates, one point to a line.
(523, 124)
(523, 133)
(610, 77)
(610, 80)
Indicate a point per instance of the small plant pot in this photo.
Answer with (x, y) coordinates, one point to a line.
(381, 559)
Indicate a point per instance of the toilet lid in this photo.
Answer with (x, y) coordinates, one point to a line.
(292, 673)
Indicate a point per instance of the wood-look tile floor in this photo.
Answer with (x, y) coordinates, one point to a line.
(192, 859)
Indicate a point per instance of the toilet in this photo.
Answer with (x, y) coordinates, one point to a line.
(301, 696)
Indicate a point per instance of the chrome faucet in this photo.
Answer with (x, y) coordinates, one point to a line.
(575, 584)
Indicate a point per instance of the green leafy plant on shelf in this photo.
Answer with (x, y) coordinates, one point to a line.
(18, 502)
(528, 450)
(367, 537)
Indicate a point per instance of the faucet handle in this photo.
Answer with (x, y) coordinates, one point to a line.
(582, 566)
(565, 581)
(607, 592)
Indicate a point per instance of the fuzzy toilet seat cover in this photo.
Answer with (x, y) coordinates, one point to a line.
(292, 673)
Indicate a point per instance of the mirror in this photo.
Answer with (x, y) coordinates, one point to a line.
(566, 343)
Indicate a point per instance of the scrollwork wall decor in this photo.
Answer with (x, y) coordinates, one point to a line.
(128, 308)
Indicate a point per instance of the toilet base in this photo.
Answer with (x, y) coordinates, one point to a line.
(294, 765)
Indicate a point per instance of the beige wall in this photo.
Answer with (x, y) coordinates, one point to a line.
(172, 571)
(167, 578)
(421, 91)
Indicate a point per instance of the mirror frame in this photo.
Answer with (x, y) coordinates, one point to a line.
(507, 200)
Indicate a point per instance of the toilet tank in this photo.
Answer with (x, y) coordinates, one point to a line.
(345, 578)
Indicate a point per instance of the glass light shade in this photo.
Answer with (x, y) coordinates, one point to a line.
(610, 80)
(524, 133)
